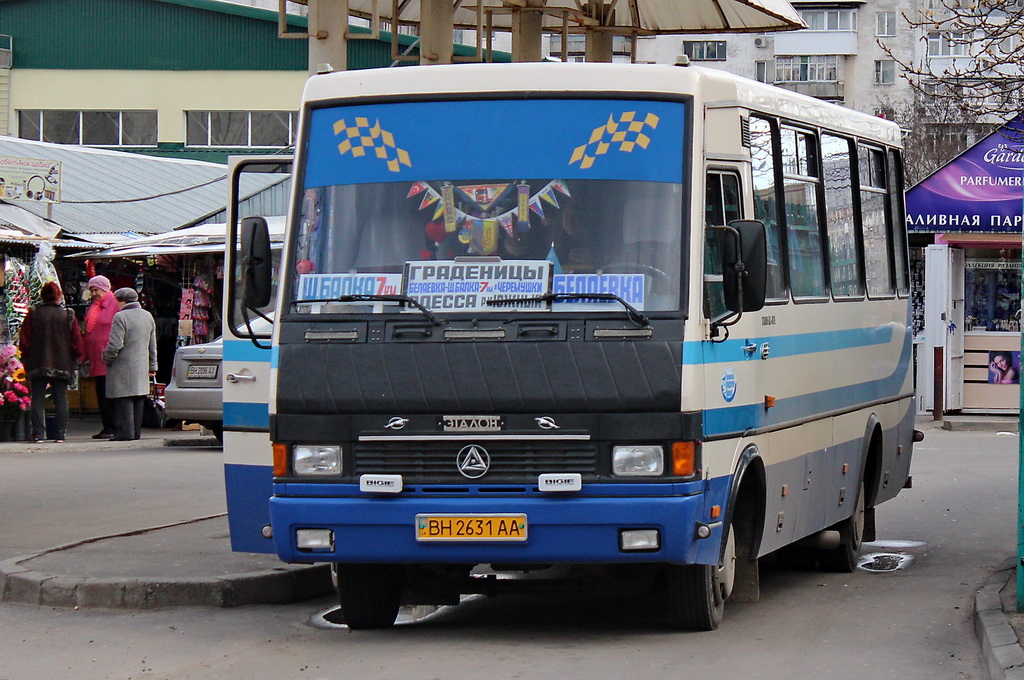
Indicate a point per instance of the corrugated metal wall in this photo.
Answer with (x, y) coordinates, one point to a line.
(180, 35)
(143, 34)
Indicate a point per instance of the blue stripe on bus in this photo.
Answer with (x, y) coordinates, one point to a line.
(248, 416)
(735, 419)
(702, 352)
(244, 350)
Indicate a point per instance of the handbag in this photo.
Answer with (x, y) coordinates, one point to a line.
(153, 414)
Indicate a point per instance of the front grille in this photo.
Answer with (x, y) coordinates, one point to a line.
(511, 461)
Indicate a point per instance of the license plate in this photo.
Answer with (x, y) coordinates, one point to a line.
(471, 527)
(197, 371)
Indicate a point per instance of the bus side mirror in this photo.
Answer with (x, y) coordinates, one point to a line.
(257, 266)
(744, 265)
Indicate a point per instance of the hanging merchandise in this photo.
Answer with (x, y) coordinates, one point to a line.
(202, 301)
(42, 271)
(18, 297)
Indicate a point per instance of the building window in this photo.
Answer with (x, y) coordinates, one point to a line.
(91, 128)
(240, 128)
(704, 50)
(830, 19)
(952, 44)
(763, 72)
(576, 47)
(885, 24)
(817, 67)
(885, 72)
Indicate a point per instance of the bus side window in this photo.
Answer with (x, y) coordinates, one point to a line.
(766, 205)
(846, 254)
(874, 211)
(721, 206)
(898, 221)
(803, 224)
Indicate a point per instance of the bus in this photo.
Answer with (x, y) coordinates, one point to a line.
(577, 326)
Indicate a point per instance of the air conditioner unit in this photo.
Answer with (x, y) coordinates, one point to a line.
(761, 41)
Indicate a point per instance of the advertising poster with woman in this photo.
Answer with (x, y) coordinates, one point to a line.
(1004, 368)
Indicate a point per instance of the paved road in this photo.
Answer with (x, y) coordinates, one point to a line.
(957, 523)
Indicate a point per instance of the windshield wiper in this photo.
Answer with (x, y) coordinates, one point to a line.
(635, 315)
(403, 299)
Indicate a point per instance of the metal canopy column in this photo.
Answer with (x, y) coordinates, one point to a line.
(437, 24)
(598, 45)
(328, 29)
(527, 21)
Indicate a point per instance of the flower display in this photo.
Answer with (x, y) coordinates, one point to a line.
(14, 397)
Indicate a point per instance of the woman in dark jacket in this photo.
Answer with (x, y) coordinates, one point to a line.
(51, 347)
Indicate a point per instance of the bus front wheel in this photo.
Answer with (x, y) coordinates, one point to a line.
(370, 594)
(697, 592)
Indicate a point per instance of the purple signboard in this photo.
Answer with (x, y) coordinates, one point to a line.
(979, 191)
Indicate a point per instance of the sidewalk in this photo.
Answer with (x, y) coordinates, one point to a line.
(182, 564)
(997, 624)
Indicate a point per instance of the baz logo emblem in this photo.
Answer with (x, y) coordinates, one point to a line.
(397, 423)
(473, 461)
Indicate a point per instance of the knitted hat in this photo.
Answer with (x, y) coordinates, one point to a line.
(51, 292)
(101, 282)
(126, 295)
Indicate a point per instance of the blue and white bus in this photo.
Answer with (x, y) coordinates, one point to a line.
(649, 321)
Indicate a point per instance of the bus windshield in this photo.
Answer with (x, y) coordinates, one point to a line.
(511, 199)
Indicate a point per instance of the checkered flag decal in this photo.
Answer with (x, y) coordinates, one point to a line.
(360, 138)
(627, 132)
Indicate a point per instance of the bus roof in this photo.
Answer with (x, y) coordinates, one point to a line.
(709, 87)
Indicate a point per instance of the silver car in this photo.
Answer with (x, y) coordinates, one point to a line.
(195, 392)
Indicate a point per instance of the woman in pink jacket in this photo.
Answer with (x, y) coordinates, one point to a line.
(98, 321)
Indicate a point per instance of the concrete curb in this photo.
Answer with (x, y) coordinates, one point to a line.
(281, 585)
(999, 646)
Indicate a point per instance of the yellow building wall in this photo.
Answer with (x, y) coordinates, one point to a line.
(170, 93)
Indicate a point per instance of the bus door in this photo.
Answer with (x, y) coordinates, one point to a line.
(257, 186)
(730, 374)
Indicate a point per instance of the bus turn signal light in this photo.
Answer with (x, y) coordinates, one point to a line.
(280, 460)
(684, 462)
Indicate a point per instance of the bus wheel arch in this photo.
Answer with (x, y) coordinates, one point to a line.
(745, 516)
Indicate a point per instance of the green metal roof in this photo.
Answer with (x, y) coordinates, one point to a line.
(178, 35)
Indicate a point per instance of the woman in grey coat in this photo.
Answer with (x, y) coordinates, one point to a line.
(130, 356)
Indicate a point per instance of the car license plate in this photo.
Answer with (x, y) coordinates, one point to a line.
(510, 527)
(198, 371)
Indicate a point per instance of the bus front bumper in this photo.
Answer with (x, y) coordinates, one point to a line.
(562, 530)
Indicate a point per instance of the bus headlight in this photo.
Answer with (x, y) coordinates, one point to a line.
(316, 459)
(638, 461)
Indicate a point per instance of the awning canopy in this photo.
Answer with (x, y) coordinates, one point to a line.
(18, 223)
(205, 238)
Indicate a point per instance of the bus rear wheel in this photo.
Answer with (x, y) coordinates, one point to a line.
(370, 594)
(843, 559)
(697, 592)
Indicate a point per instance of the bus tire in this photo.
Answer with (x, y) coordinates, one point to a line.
(843, 559)
(697, 592)
(370, 594)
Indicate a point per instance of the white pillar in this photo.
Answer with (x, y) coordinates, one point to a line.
(328, 34)
(437, 25)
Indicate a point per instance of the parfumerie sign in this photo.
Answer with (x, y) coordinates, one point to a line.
(981, 190)
(29, 179)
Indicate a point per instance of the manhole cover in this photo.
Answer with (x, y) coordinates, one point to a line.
(884, 562)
